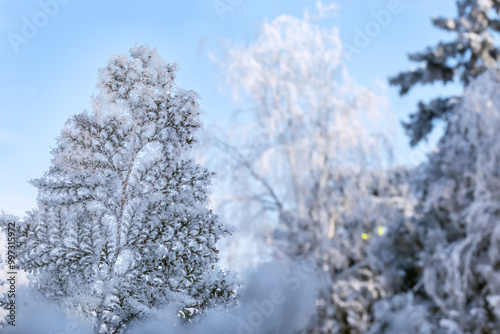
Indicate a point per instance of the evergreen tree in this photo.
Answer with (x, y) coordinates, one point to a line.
(442, 266)
(471, 52)
(122, 228)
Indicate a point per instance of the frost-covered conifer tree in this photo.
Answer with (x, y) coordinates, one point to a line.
(471, 52)
(122, 228)
(311, 179)
(443, 265)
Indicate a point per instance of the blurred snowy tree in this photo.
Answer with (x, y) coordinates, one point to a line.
(448, 257)
(471, 52)
(308, 173)
(122, 227)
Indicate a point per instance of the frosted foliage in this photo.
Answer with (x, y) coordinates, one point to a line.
(471, 52)
(401, 315)
(360, 204)
(310, 179)
(122, 227)
(462, 275)
(454, 238)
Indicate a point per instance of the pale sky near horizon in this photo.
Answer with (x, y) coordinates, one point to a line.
(53, 73)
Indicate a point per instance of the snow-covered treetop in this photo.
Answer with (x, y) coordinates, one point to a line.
(301, 94)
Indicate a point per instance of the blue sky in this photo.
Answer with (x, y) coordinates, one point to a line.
(52, 74)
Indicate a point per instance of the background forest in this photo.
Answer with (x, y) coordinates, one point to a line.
(296, 178)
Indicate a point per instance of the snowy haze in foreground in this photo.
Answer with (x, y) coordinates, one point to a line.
(279, 297)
